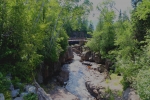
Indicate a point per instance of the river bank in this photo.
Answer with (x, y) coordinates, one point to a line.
(84, 83)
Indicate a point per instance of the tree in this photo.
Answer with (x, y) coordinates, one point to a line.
(104, 35)
(135, 3)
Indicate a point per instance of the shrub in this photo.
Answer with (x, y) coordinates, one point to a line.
(4, 85)
(31, 96)
(143, 84)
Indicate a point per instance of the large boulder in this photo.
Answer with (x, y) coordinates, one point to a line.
(2, 96)
(69, 53)
(30, 89)
(93, 89)
(86, 55)
(63, 75)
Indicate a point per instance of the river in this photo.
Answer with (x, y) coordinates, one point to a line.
(77, 77)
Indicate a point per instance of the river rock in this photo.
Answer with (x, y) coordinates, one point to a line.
(76, 51)
(77, 47)
(85, 55)
(97, 58)
(91, 58)
(129, 94)
(64, 73)
(30, 89)
(2, 96)
(101, 68)
(69, 53)
(15, 93)
(93, 89)
(23, 94)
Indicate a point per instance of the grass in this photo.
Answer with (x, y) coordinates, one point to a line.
(113, 87)
(119, 93)
(107, 81)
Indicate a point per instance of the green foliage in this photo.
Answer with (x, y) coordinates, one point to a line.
(128, 43)
(35, 31)
(132, 55)
(4, 83)
(103, 37)
(4, 86)
(143, 81)
(31, 96)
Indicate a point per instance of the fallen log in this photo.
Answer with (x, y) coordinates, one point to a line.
(42, 95)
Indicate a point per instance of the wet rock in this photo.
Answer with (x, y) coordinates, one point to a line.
(130, 94)
(2, 96)
(15, 93)
(30, 89)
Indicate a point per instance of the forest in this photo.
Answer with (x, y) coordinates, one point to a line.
(126, 42)
(36, 31)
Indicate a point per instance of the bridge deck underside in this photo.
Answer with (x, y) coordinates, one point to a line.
(76, 40)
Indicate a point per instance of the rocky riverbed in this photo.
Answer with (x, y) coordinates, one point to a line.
(88, 83)
(84, 83)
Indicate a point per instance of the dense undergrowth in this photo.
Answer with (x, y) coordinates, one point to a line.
(126, 42)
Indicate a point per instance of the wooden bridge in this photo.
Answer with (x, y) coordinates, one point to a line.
(77, 39)
(80, 41)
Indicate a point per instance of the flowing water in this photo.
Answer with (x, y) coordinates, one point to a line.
(77, 77)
